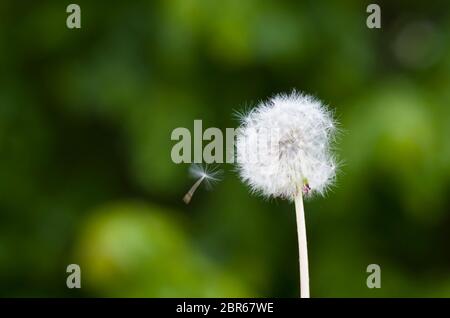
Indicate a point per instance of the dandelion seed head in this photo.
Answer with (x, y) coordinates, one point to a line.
(283, 146)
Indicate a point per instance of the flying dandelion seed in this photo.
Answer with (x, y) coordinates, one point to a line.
(206, 174)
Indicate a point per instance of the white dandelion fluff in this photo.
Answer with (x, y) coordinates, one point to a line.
(207, 174)
(284, 145)
(283, 150)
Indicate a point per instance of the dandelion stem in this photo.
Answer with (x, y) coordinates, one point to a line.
(302, 246)
(188, 196)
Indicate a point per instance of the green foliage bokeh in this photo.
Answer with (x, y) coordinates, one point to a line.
(86, 175)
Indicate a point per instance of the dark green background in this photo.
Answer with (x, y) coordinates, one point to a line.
(85, 169)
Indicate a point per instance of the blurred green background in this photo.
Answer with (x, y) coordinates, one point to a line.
(86, 175)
